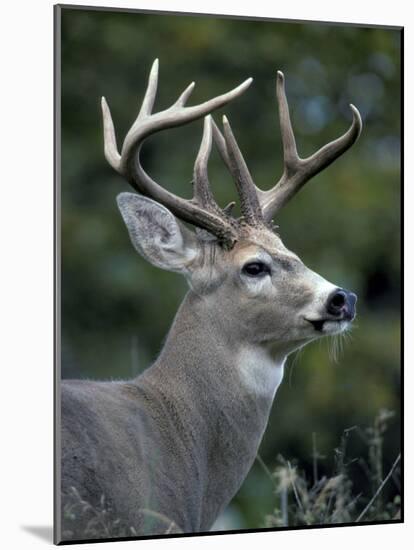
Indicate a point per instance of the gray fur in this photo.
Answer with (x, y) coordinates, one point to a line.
(179, 440)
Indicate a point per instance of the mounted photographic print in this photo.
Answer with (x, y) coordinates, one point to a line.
(228, 345)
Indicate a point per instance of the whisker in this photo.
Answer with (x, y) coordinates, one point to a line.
(293, 364)
(332, 348)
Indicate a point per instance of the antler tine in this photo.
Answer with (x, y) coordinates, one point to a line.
(233, 158)
(182, 100)
(202, 191)
(220, 144)
(291, 158)
(298, 171)
(249, 202)
(110, 147)
(151, 91)
(128, 163)
(223, 151)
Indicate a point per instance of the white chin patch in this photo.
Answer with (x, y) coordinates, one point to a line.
(334, 327)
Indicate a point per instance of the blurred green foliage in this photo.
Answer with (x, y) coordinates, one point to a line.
(116, 308)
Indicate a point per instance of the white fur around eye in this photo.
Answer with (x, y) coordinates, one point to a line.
(256, 286)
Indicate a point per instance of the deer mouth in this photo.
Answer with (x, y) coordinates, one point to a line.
(329, 326)
(317, 324)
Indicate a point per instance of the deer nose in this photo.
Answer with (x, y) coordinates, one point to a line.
(342, 303)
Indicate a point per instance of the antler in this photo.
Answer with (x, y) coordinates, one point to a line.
(257, 207)
(297, 171)
(201, 210)
(233, 158)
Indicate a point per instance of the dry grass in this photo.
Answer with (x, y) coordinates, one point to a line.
(334, 499)
(84, 521)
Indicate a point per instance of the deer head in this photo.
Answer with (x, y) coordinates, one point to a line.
(238, 267)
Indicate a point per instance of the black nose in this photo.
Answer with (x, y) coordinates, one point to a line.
(342, 303)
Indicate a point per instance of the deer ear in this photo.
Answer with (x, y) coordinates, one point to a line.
(156, 234)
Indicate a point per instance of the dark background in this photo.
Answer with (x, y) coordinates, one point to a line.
(345, 224)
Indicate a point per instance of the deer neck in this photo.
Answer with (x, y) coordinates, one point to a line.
(222, 391)
(201, 353)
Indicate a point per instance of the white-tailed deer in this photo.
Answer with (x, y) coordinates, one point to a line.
(167, 451)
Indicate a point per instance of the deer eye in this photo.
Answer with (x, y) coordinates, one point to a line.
(256, 269)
